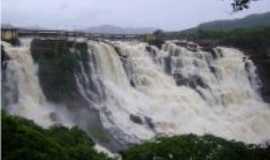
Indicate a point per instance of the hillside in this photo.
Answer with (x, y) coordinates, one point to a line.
(251, 21)
(254, 20)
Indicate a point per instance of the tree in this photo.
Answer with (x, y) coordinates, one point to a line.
(159, 33)
(239, 5)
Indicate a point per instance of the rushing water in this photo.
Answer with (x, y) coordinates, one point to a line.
(21, 91)
(141, 91)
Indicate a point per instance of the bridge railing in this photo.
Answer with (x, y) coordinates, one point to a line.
(74, 34)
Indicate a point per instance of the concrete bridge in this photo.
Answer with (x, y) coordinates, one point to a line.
(9, 33)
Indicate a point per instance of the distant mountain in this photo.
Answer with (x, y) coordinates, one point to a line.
(3, 25)
(254, 20)
(36, 27)
(110, 29)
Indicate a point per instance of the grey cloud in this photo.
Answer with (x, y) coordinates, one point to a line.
(167, 14)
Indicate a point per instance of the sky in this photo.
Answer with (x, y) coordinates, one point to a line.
(164, 14)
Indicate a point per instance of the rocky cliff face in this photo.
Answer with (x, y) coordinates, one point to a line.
(262, 60)
(62, 64)
(58, 61)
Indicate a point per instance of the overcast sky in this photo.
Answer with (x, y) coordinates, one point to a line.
(165, 14)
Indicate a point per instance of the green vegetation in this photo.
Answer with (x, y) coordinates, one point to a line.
(251, 32)
(245, 38)
(156, 39)
(248, 33)
(193, 147)
(24, 140)
(251, 21)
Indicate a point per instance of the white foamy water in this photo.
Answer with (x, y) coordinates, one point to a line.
(220, 96)
(21, 88)
(141, 91)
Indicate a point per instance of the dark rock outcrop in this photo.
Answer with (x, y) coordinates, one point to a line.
(57, 65)
(262, 61)
(12, 97)
(135, 119)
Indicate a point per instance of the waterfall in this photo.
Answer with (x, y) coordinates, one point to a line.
(203, 92)
(21, 91)
(141, 91)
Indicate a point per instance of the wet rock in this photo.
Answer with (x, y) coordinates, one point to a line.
(149, 122)
(135, 119)
(215, 71)
(199, 81)
(148, 48)
(213, 53)
(4, 58)
(54, 117)
(132, 83)
(167, 63)
(192, 81)
(57, 66)
(9, 91)
(180, 80)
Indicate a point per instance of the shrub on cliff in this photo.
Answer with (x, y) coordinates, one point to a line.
(22, 139)
(194, 147)
(156, 39)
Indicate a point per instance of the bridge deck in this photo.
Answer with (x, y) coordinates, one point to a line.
(19, 32)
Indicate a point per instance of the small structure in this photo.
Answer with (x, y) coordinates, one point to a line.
(8, 33)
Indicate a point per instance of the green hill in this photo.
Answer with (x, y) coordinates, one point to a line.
(255, 20)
